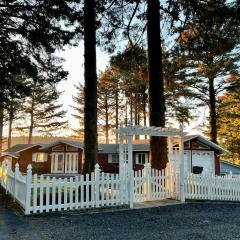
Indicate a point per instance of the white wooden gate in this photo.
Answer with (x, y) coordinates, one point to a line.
(151, 184)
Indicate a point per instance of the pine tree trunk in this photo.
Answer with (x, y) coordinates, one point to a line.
(1, 128)
(212, 111)
(156, 85)
(144, 111)
(116, 117)
(90, 88)
(10, 128)
(136, 114)
(31, 126)
(131, 108)
(106, 119)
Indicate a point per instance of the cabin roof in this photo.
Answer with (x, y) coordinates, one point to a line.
(76, 144)
(16, 149)
(142, 145)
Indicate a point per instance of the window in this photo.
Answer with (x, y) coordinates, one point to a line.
(39, 157)
(141, 158)
(113, 158)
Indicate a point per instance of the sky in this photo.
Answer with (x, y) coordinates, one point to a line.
(74, 64)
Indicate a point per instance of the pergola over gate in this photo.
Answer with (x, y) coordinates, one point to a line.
(126, 152)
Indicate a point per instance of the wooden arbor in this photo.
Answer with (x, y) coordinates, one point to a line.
(126, 152)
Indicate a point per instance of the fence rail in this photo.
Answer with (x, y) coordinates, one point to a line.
(211, 187)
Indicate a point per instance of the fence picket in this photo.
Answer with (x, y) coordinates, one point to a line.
(41, 193)
(47, 193)
(92, 190)
(76, 192)
(102, 189)
(53, 194)
(82, 191)
(59, 184)
(87, 190)
(71, 194)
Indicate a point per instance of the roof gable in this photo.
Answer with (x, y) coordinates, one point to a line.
(75, 144)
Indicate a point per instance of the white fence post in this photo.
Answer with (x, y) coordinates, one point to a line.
(182, 171)
(7, 178)
(146, 175)
(97, 173)
(16, 174)
(130, 167)
(28, 189)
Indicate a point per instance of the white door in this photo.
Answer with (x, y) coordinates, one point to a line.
(176, 161)
(187, 165)
(204, 159)
(57, 163)
(71, 163)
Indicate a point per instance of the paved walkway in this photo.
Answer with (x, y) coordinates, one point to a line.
(161, 203)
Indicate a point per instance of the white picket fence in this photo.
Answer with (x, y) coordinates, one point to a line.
(37, 194)
(89, 191)
(151, 184)
(211, 187)
(14, 183)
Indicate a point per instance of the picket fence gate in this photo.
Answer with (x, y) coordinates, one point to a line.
(211, 187)
(151, 184)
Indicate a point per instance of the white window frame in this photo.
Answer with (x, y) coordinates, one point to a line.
(140, 154)
(54, 163)
(71, 162)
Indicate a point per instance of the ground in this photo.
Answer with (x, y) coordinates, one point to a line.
(186, 221)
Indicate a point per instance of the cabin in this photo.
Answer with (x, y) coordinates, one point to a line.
(66, 157)
(229, 168)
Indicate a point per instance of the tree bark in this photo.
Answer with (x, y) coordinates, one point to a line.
(90, 88)
(131, 108)
(136, 112)
(144, 111)
(106, 119)
(156, 86)
(31, 126)
(1, 127)
(10, 128)
(116, 117)
(212, 111)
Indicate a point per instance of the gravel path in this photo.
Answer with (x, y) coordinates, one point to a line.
(187, 221)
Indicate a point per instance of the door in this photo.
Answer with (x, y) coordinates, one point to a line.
(71, 163)
(176, 161)
(204, 159)
(57, 163)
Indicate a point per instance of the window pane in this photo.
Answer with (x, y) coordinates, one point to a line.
(60, 162)
(40, 157)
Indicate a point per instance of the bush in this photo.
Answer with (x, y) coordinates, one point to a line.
(36, 169)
